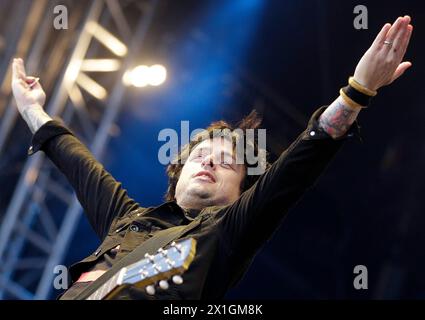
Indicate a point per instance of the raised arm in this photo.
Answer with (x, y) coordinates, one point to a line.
(101, 196)
(246, 224)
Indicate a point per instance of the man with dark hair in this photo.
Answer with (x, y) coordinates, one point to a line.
(215, 201)
(235, 137)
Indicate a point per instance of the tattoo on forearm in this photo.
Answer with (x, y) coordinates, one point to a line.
(337, 118)
(35, 118)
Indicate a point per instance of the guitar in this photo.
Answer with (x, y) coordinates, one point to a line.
(165, 264)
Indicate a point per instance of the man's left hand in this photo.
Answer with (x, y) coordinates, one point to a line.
(381, 64)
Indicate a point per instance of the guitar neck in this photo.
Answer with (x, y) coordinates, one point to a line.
(150, 270)
(107, 287)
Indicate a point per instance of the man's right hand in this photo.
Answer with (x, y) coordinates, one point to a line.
(26, 96)
(29, 96)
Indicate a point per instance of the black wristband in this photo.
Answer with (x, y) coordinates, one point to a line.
(357, 96)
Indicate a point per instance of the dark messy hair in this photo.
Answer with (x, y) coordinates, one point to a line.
(225, 130)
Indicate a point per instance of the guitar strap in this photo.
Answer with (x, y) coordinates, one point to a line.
(159, 240)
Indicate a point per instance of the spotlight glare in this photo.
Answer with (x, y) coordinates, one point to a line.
(157, 75)
(107, 38)
(143, 75)
(73, 70)
(126, 78)
(91, 86)
(140, 76)
(100, 65)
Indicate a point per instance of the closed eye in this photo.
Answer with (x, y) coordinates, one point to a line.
(227, 165)
(197, 157)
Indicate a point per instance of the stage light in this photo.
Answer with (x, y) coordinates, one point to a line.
(139, 76)
(72, 71)
(91, 86)
(76, 96)
(142, 76)
(107, 39)
(100, 65)
(157, 75)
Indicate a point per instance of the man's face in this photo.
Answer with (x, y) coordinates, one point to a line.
(210, 175)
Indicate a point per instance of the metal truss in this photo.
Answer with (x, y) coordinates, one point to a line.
(43, 212)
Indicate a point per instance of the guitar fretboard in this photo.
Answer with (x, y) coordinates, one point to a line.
(105, 288)
(151, 269)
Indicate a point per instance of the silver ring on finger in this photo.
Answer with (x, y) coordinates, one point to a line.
(388, 43)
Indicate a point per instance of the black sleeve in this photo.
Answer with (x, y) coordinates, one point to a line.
(246, 224)
(101, 196)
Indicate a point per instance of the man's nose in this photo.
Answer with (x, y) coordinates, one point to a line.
(208, 160)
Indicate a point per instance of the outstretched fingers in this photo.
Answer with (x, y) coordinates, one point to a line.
(405, 41)
(395, 29)
(380, 38)
(399, 42)
(19, 69)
